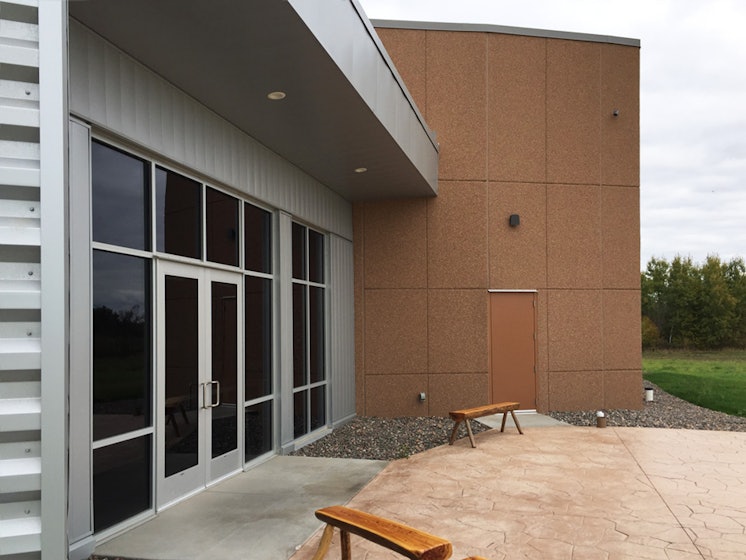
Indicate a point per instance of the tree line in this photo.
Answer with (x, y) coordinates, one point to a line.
(698, 306)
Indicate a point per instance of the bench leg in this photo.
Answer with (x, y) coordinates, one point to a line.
(326, 540)
(344, 542)
(454, 432)
(471, 435)
(505, 417)
(517, 425)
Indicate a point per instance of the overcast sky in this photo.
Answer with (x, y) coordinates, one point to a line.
(693, 104)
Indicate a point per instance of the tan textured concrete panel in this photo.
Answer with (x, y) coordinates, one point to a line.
(395, 331)
(408, 49)
(396, 395)
(457, 236)
(573, 107)
(359, 267)
(542, 351)
(620, 135)
(575, 331)
(623, 389)
(395, 238)
(576, 390)
(457, 331)
(574, 237)
(517, 255)
(457, 390)
(456, 102)
(516, 108)
(620, 223)
(622, 339)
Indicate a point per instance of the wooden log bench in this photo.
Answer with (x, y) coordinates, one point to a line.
(467, 414)
(402, 539)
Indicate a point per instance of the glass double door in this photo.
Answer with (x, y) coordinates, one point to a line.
(199, 391)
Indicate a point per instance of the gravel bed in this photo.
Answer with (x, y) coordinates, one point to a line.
(397, 438)
(666, 411)
(385, 439)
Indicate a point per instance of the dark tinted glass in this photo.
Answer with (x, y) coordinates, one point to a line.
(121, 481)
(258, 430)
(182, 373)
(316, 334)
(258, 337)
(120, 193)
(300, 413)
(178, 214)
(222, 227)
(299, 335)
(315, 256)
(318, 407)
(299, 252)
(258, 239)
(224, 368)
(121, 344)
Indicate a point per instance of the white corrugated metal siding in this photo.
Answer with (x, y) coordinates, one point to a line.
(342, 329)
(20, 295)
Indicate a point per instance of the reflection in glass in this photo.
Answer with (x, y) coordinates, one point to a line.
(178, 214)
(299, 251)
(182, 374)
(258, 239)
(120, 194)
(300, 363)
(121, 344)
(222, 227)
(318, 407)
(258, 430)
(316, 334)
(300, 413)
(121, 481)
(315, 256)
(258, 337)
(224, 395)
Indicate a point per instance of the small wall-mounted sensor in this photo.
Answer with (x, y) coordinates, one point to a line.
(615, 112)
(422, 396)
(514, 220)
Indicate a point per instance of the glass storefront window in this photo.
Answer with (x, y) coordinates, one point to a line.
(178, 214)
(122, 484)
(258, 337)
(120, 194)
(258, 430)
(222, 227)
(122, 380)
(257, 239)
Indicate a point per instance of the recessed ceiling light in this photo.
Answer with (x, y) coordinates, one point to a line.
(276, 95)
(361, 169)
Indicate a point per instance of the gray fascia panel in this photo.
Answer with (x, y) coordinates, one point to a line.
(352, 43)
(506, 30)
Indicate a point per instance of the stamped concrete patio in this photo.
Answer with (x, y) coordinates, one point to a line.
(569, 493)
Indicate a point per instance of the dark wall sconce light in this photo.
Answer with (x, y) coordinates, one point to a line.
(514, 220)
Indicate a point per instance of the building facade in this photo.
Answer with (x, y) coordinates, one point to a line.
(520, 280)
(227, 228)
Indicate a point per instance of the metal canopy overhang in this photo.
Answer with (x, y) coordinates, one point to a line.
(230, 54)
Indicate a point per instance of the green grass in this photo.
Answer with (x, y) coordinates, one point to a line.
(714, 380)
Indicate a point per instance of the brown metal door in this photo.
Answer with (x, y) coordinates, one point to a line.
(513, 347)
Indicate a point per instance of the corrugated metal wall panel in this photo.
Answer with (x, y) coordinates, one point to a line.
(342, 335)
(113, 91)
(20, 266)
